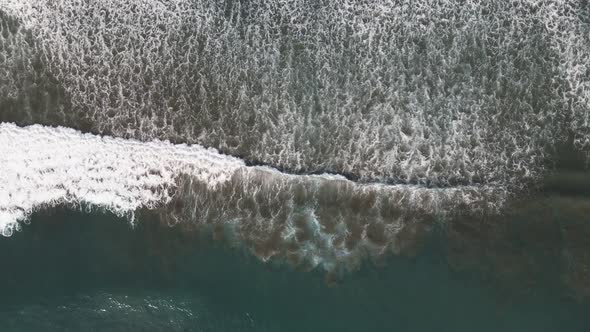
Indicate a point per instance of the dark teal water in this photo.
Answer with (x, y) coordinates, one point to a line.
(75, 272)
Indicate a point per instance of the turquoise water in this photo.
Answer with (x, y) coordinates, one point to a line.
(93, 272)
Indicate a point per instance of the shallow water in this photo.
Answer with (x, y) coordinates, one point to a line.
(73, 271)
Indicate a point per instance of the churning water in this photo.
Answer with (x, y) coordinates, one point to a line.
(325, 136)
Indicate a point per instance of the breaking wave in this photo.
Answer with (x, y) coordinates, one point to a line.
(309, 219)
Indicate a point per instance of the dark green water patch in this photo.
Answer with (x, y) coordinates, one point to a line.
(73, 271)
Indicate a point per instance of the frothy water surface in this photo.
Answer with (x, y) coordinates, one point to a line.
(439, 93)
(325, 136)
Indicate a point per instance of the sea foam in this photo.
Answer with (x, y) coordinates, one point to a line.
(43, 166)
(438, 93)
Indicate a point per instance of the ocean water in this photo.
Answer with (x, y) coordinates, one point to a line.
(92, 272)
(294, 165)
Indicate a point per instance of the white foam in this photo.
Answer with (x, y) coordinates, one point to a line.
(43, 166)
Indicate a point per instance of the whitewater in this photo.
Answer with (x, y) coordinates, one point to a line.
(440, 93)
(44, 167)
